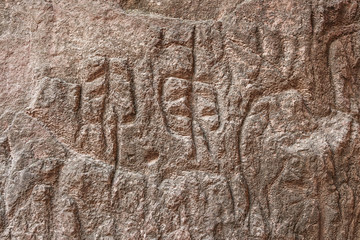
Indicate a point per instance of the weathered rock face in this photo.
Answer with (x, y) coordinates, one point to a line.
(200, 119)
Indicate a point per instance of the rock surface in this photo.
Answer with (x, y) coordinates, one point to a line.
(191, 119)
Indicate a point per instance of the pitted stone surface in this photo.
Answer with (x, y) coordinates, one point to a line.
(192, 119)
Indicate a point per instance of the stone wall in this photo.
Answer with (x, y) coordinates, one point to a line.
(192, 119)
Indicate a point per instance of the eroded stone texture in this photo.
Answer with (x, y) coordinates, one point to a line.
(200, 119)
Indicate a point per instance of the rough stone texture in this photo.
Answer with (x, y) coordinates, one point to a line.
(184, 119)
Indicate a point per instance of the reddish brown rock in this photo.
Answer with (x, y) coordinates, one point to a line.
(202, 119)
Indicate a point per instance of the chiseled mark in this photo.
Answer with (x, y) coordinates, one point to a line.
(152, 157)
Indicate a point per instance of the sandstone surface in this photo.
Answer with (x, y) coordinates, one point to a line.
(179, 120)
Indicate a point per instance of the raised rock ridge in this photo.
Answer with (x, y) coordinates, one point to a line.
(193, 119)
